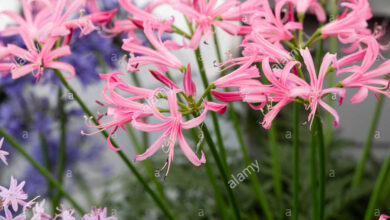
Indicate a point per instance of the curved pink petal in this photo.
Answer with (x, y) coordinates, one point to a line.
(62, 66)
(359, 96)
(188, 152)
(332, 111)
(307, 58)
(227, 96)
(153, 148)
(150, 127)
(217, 107)
(23, 70)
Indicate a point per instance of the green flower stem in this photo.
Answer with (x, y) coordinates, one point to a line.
(222, 170)
(321, 166)
(146, 163)
(380, 182)
(213, 114)
(301, 18)
(313, 173)
(62, 151)
(236, 124)
(212, 178)
(333, 42)
(46, 173)
(145, 135)
(295, 160)
(357, 178)
(205, 94)
(313, 38)
(46, 161)
(122, 155)
(272, 138)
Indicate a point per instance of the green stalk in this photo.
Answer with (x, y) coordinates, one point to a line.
(213, 114)
(46, 161)
(145, 135)
(46, 173)
(253, 178)
(122, 155)
(222, 171)
(378, 188)
(62, 150)
(313, 173)
(357, 178)
(321, 166)
(275, 160)
(236, 124)
(213, 180)
(146, 163)
(295, 160)
(333, 42)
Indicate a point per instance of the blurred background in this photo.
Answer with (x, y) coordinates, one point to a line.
(96, 176)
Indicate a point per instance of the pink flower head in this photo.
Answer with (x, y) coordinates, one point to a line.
(349, 25)
(14, 195)
(30, 23)
(272, 26)
(243, 76)
(161, 57)
(368, 81)
(172, 131)
(139, 16)
(282, 81)
(120, 109)
(39, 59)
(65, 214)
(39, 212)
(3, 153)
(384, 217)
(314, 92)
(98, 214)
(206, 15)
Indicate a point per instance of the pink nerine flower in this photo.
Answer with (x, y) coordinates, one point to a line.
(349, 25)
(98, 214)
(161, 57)
(14, 195)
(3, 153)
(172, 131)
(39, 58)
(120, 109)
(314, 92)
(282, 82)
(65, 214)
(206, 15)
(271, 25)
(243, 76)
(39, 212)
(368, 81)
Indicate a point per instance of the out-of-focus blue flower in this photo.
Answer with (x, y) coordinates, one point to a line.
(89, 54)
(75, 154)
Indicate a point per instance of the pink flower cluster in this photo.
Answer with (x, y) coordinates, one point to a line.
(265, 31)
(267, 35)
(46, 29)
